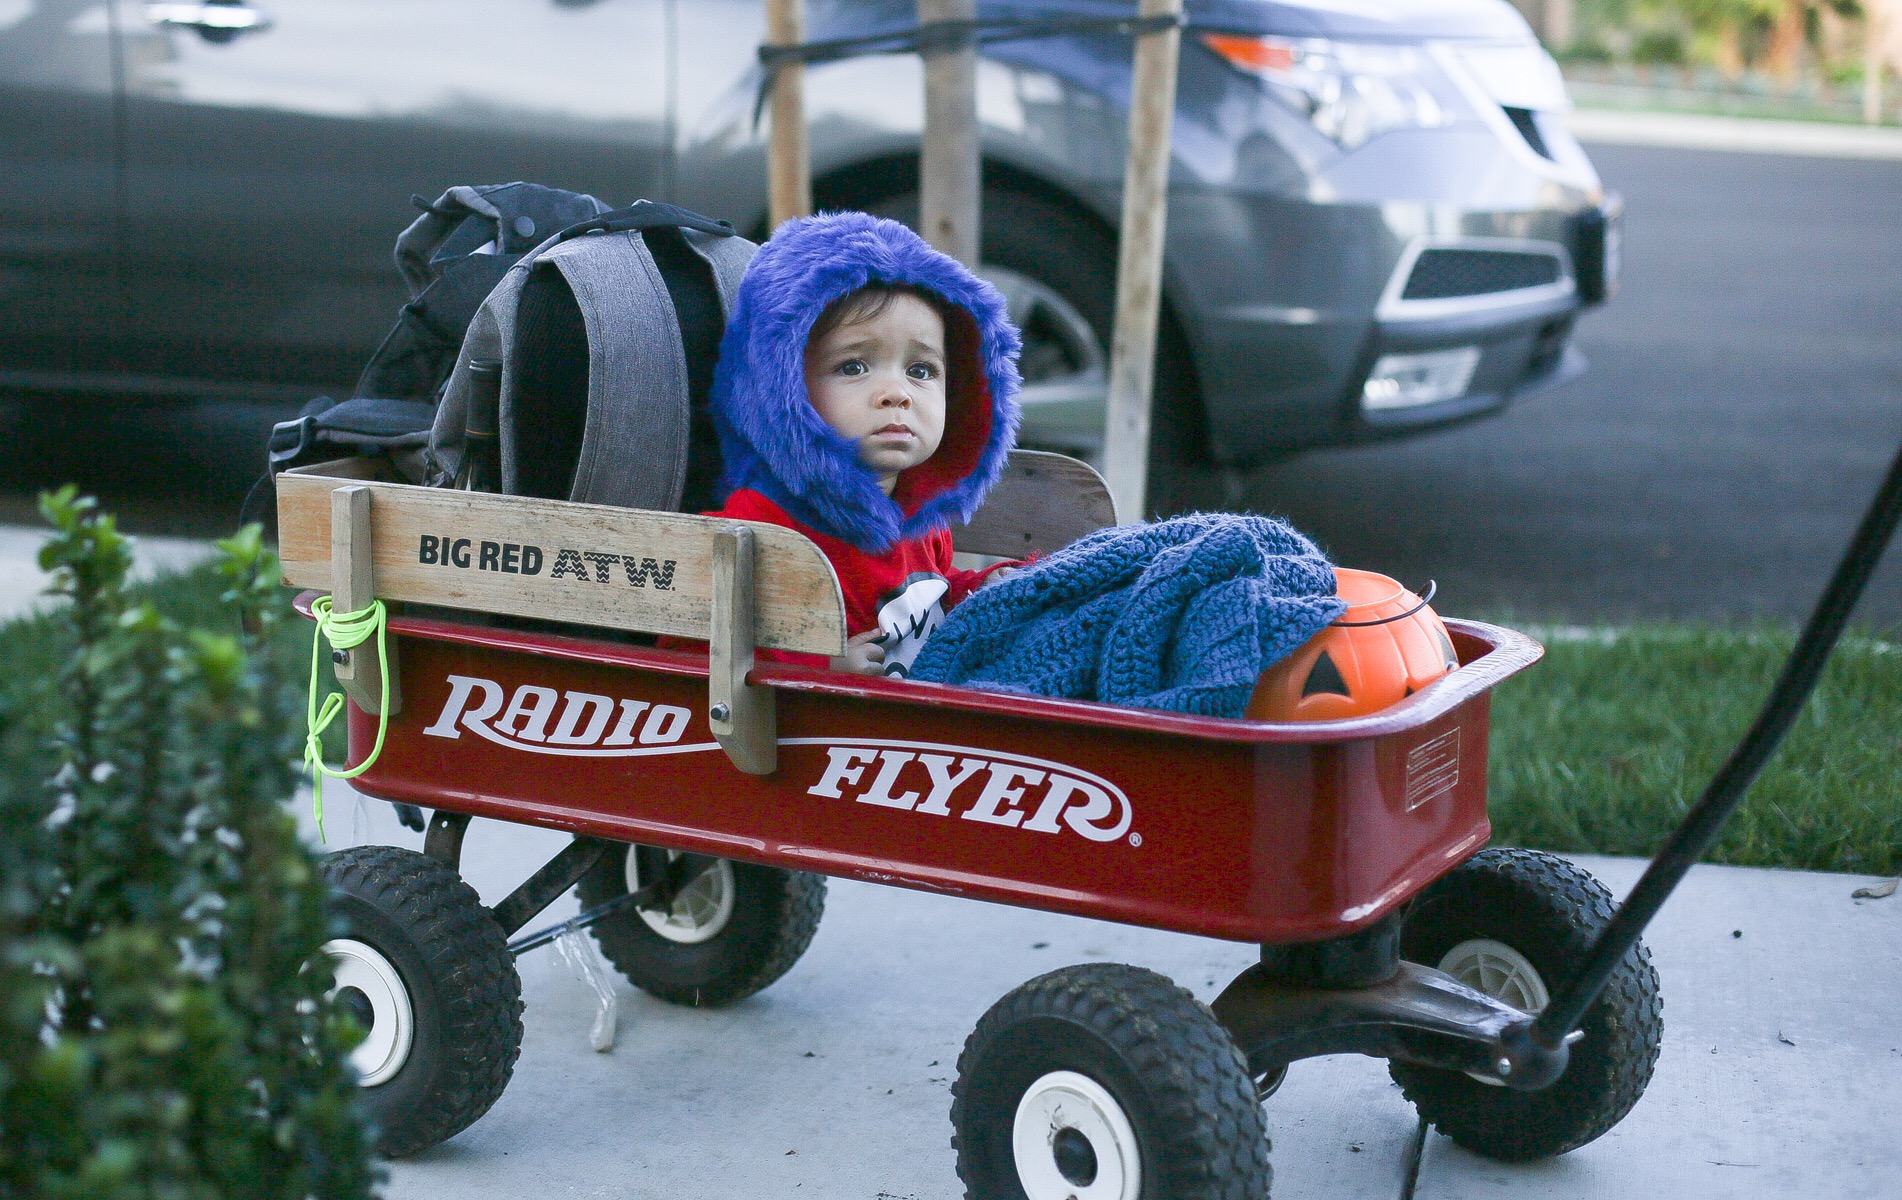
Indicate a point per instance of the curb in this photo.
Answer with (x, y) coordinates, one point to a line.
(1748, 135)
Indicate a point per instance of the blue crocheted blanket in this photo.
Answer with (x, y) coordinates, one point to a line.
(1179, 615)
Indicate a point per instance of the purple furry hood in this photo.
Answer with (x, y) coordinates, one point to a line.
(773, 441)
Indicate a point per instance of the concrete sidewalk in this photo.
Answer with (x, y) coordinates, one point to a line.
(1781, 1070)
(22, 584)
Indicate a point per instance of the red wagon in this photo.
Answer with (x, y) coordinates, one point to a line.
(708, 797)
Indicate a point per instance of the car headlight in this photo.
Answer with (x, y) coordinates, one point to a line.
(1350, 91)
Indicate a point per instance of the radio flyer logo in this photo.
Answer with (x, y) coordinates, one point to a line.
(992, 787)
(907, 614)
(576, 724)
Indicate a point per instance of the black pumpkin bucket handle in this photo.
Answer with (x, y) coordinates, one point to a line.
(1431, 587)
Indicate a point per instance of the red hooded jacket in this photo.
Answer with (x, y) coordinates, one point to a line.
(905, 591)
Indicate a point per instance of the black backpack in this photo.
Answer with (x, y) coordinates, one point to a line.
(546, 352)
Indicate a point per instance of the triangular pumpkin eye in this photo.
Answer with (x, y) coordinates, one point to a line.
(1447, 653)
(1325, 677)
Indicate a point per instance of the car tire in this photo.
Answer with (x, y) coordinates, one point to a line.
(1515, 924)
(734, 930)
(426, 969)
(1065, 311)
(1108, 1079)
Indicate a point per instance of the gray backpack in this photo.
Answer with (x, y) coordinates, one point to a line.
(584, 374)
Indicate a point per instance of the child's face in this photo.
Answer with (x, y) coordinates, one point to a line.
(880, 382)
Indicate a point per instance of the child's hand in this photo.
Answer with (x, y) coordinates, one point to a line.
(863, 654)
(997, 576)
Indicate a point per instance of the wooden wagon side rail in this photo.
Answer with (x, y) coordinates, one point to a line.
(737, 584)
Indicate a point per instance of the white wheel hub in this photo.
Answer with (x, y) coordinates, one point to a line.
(1071, 1141)
(699, 912)
(370, 988)
(1499, 971)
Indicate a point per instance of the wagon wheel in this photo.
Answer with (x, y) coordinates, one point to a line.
(730, 932)
(1105, 1082)
(426, 971)
(1514, 924)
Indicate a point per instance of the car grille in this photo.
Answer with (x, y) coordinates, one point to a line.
(1446, 272)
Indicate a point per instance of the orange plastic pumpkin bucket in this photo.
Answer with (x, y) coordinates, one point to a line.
(1387, 645)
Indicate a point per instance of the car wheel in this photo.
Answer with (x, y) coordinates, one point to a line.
(1515, 924)
(422, 966)
(1057, 273)
(1106, 1082)
(732, 931)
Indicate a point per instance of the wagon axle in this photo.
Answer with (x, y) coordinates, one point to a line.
(679, 874)
(443, 842)
(1417, 1015)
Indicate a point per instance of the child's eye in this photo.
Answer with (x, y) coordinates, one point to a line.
(922, 370)
(852, 367)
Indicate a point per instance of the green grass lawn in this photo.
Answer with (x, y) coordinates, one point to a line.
(1600, 748)
(1606, 744)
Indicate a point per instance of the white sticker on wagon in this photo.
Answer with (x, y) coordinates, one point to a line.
(991, 786)
(541, 720)
(1433, 769)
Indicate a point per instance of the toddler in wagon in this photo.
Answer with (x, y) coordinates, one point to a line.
(866, 396)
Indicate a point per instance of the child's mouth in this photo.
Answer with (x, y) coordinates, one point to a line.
(892, 431)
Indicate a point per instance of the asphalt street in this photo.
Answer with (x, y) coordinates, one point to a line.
(1745, 395)
(1744, 398)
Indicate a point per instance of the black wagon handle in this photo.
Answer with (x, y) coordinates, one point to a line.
(1700, 827)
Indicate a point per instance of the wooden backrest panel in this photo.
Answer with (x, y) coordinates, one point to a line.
(591, 564)
(1042, 503)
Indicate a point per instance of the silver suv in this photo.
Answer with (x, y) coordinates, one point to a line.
(1378, 221)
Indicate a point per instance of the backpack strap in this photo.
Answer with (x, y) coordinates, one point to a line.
(697, 261)
(703, 273)
(452, 257)
(607, 333)
(638, 414)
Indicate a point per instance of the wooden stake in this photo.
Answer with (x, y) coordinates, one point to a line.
(950, 164)
(741, 714)
(788, 159)
(1139, 265)
(353, 585)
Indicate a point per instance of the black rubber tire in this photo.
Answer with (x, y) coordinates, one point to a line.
(1549, 911)
(1076, 257)
(775, 914)
(464, 992)
(1161, 1055)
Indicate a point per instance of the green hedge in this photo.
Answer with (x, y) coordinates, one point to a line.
(163, 1027)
